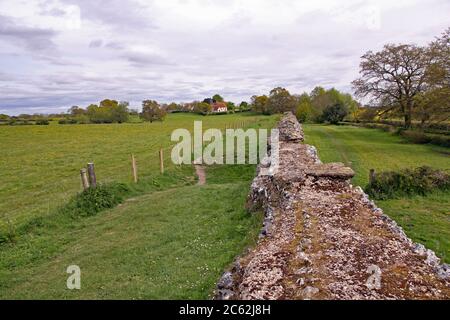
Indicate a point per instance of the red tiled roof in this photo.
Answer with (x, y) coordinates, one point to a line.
(217, 105)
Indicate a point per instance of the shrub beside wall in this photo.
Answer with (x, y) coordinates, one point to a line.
(422, 138)
(413, 136)
(407, 182)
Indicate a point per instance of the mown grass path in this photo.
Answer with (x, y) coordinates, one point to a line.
(364, 149)
(425, 219)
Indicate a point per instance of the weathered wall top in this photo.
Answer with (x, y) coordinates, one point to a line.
(290, 129)
(324, 239)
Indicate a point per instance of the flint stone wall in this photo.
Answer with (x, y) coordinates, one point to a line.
(322, 238)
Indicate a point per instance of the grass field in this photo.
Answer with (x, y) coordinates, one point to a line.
(172, 239)
(425, 219)
(39, 165)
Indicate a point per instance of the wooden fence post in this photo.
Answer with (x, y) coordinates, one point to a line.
(161, 161)
(134, 168)
(91, 173)
(371, 176)
(84, 179)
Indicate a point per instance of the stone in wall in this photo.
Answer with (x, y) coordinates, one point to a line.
(290, 129)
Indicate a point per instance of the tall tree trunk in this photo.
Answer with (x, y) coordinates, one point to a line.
(408, 115)
(407, 121)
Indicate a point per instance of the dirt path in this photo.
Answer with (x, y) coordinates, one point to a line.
(201, 174)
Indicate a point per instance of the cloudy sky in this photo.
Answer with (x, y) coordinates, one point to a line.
(59, 53)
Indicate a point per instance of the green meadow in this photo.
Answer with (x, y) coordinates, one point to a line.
(170, 238)
(40, 165)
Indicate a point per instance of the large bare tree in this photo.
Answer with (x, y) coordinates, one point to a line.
(393, 77)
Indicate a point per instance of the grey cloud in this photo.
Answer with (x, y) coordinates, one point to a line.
(46, 103)
(54, 12)
(48, 9)
(56, 60)
(341, 54)
(114, 45)
(145, 59)
(6, 77)
(96, 43)
(123, 15)
(31, 38)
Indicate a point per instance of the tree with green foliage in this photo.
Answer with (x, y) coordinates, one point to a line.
(304, 108)
(109, 111)
(231, 107)
(351, 105)
(244, 106)
(76, 111)
(280, 100)
(95, 114)
(108, 103)
(303, 112)
(433, 104)
(172, 107)
(152, 111)
(260, 103)
(218, 98)
(202, 108)
(120, 112)
(334, 114)
(321, 99)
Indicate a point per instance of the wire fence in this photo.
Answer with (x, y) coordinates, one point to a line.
(44, 197)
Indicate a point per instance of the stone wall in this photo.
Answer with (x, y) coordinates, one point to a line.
(322, 238)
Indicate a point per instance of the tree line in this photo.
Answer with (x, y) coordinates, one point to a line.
(205, 107)
(112, 111)
(321, 105)
(107, 111)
